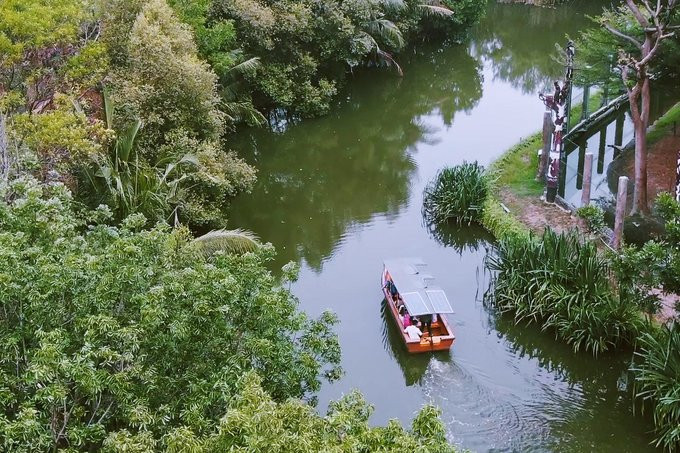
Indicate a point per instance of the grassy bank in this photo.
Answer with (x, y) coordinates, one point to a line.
(514, 186)
(564, 285)
(511, 172)
(664, 125)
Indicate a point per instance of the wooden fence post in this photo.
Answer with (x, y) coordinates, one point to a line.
(587, 179)
(621, 199)
(548, 128)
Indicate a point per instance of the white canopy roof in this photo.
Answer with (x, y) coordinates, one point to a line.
(419, 290)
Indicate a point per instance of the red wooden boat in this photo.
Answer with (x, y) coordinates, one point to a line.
(404, 283)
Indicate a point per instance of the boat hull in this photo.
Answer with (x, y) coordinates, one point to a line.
(442, 342)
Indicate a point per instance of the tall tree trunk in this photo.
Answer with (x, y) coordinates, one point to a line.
(641, 122)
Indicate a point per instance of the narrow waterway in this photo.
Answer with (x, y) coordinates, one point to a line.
(341, 193)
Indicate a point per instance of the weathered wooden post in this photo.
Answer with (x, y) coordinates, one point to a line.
(548, 128)
(587, 179)
(621, 198)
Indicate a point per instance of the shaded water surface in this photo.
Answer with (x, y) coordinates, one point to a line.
(340, 193)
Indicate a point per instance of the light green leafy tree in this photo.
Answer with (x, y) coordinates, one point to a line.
(110, 332)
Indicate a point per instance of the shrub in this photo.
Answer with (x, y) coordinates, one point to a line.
(593, 217)
(656, 381)
(562, 283)
(456, 193)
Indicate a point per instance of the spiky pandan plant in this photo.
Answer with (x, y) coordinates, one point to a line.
(456, 193)
(561, 283)
(657, 381)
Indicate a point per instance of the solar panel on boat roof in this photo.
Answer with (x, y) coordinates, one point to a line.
(439, 301)
(415, 303)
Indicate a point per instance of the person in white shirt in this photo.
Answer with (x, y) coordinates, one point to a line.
(413, 332)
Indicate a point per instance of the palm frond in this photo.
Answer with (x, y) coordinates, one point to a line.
(390, 61)
(230, 241)
(435, 10)
(246, 67)
(388, 31)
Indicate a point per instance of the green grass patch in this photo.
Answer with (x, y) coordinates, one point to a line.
(562, 283)
(594, 103)
(664, 125)
(516, 169)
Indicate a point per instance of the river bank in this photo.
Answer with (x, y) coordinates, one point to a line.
(515, 205)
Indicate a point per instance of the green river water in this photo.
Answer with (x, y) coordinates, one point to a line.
(341, 193)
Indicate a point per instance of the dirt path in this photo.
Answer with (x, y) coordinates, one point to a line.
(537, 214)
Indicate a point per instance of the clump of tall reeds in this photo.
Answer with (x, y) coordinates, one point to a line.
(456, 193)
(657, 381)
(561, 283)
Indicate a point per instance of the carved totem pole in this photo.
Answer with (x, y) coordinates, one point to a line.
(558, 103)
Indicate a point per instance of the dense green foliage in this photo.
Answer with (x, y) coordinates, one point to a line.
(119, 331)
(598, 51)
(657, 368)
(561, 283)
(304, 49)
(456, 193)
(181, 75)
(253, 422)
(655, 265)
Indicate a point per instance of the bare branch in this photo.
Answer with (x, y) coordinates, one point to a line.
(646, 58)
(637, 13)
(616, 32)
(648, 7)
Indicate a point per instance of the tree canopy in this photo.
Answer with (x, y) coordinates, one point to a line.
(112, 329)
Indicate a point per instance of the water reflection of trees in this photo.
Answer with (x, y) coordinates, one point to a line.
(320, 177)
(519, 39)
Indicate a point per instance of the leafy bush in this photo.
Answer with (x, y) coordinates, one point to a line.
(593, 217)
(656, 369)
(456, 193)
(562, 283)
(655, 265)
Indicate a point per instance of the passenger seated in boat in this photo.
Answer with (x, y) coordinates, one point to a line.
(426, 323)
(403, 314)
(413, 332)
(398, 301)
(393, 289)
